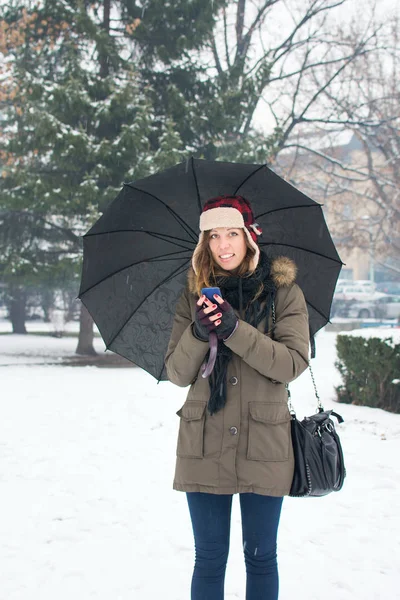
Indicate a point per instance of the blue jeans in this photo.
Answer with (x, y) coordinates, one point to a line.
(211, 521)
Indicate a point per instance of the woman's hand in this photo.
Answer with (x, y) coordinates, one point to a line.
(227, 322)
(205, 318)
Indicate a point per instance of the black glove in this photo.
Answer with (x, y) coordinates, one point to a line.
(228, 321)
(202, 325)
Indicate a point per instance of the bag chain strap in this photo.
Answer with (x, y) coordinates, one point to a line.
(290, 405)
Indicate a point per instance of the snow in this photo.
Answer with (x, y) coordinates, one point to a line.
(87, 462)
(39, 349)
(381, 332)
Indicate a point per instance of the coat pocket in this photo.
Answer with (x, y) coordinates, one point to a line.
(191, 430)
(269, 432)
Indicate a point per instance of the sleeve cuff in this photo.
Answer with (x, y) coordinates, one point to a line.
(195, 336)
(230, 335)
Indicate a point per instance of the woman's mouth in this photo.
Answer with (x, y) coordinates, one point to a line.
(226, 257)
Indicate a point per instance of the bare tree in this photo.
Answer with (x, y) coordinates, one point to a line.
(361, 184)
(279, 60)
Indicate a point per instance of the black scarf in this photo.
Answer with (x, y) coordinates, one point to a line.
(243, 294)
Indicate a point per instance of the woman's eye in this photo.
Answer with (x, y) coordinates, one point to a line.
(234, 233)
(213, 236)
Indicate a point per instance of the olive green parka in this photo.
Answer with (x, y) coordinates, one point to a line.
(246, 446)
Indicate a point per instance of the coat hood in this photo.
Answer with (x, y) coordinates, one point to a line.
(283, 273)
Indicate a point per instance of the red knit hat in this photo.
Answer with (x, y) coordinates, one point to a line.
(229, 211)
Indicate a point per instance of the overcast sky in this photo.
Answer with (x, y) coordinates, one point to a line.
(359, 10)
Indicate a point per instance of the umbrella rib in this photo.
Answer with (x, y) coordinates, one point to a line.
(304, 250)
(256, 171)
(160, 259)
(269, 212)
(317, 310)
(162, 368)
(177, 271)
(248, 177)
(161, 235)
(185, 225)
(197, 185)
(162, 256)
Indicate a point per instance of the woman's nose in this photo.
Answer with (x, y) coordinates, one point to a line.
(224, 246)
(224, 243)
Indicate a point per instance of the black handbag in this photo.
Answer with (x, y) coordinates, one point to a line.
(318, 456)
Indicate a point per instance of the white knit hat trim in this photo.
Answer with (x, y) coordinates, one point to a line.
(222, 216)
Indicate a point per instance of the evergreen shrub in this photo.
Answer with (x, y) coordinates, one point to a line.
(370, 369)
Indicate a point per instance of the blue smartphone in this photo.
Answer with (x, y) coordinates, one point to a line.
(209, 292)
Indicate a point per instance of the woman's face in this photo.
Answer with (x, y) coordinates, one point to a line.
(228, 246)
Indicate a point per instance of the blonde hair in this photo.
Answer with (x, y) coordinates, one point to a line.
(208, 270)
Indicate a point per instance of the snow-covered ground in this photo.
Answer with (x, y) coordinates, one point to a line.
(87, 510)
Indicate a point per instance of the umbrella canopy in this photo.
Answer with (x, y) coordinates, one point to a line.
(137, 254)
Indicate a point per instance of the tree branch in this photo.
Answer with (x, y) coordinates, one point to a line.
(215, 54)
(240, 23)
(228, 62)
(242, 49)
(287, 43)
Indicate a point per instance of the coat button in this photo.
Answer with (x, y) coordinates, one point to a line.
(233, 430)
(233, 380)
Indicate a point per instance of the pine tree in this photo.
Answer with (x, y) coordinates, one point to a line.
(77, 123)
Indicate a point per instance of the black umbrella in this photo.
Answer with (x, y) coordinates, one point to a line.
(137, 254)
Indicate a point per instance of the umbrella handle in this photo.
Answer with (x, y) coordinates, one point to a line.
(206, 369)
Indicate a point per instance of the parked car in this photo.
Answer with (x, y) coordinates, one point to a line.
(350, 282)
(386, 307)
(389, 287)
(364, 282)
(356, 291)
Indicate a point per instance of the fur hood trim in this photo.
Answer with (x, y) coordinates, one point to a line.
(283, 272)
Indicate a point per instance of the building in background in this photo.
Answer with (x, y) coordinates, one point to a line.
(332, 168)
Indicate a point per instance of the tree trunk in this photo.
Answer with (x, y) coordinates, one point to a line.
(18, 299)
(47, 303)
(85, 342)
(104, 68)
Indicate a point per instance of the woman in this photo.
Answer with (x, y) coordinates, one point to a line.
(234, 435)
